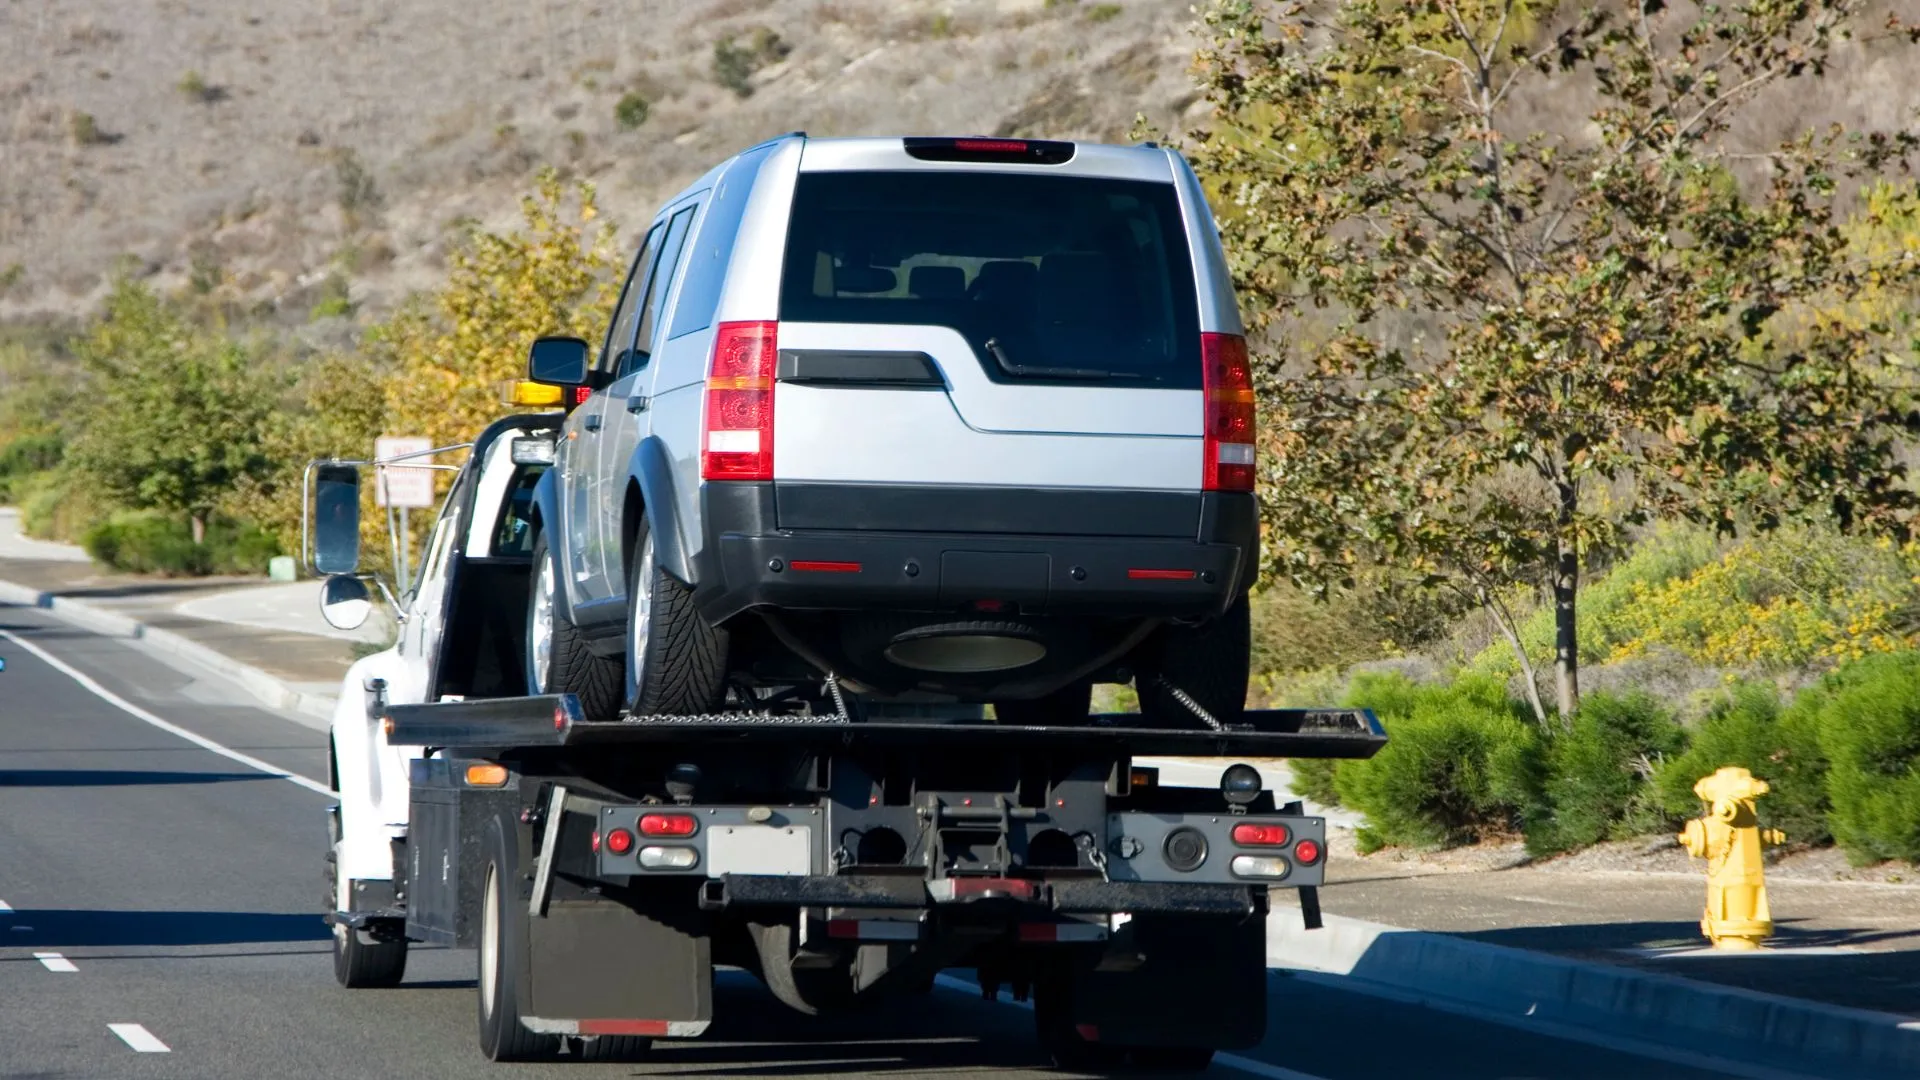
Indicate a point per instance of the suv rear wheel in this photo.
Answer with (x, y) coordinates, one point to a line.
(1207, 662)
(676, 661)
(557, 658)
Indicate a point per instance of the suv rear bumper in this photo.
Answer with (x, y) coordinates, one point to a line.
(1154, 555)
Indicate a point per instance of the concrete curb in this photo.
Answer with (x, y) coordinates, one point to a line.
(266, 688)
(1777, 1035)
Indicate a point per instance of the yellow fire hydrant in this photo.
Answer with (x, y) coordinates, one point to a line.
(1729, 837)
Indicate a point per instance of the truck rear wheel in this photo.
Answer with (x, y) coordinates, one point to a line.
(502, 961)
(676, 661)
(1208, 663)
(557, 658)
(1064, 1043)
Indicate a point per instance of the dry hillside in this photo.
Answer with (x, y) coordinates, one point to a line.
(258, 145)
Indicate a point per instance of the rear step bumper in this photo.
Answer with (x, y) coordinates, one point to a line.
(749, 560)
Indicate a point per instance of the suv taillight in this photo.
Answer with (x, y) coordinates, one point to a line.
(736, 440)
(1229, 413)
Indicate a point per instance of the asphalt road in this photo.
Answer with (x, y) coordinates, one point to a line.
(161, 906)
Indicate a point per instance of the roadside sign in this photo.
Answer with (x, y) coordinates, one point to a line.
(405, 484)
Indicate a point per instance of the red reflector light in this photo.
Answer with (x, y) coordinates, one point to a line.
(1141, 574)
(581, 394)
(624, 1027)
(619, 841)
(820, 566)
(1262, 835)
(736, 439)
(1039, 931)
(596, 840)
(559, 719)
(667, 825)
(1306, 852)
(1230, 413)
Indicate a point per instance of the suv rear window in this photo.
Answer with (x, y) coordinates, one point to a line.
(1050, 278)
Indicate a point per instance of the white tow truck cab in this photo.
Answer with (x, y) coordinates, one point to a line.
(839, 850)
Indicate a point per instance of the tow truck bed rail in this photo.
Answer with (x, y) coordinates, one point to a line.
(555, 720)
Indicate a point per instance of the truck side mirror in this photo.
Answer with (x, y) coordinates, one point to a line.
(336, 526)
(345, 602)
(558, 361)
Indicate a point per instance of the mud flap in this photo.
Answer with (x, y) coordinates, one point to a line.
(1201, 982)
(601, 967)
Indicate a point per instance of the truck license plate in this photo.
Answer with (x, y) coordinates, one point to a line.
(781, 850)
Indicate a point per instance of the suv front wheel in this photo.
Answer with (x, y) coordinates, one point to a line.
(557, 658)
(676, 661)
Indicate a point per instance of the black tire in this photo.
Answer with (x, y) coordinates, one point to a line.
(684, 658)
(1208, 662)
(572, 668)
(502, 962)
(359, 963)
(1060, 1038)
(614, 1048)
(1069, 705)
(826, 991)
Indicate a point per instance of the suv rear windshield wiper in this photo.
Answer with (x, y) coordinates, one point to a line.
(1011, 368)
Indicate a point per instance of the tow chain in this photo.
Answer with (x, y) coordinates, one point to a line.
(1186, 699)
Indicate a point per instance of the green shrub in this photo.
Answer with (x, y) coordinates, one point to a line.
(1460, 763)
(148, 543)
(1752, 728)
(22, 457)
(56, 506)
(1870, 731)
(631, 110)
(1100, 13)
(1313, 780)
(1595, 784)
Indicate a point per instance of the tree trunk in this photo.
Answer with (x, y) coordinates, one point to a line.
(1507, 630)
(1566, 585)
(199, 529)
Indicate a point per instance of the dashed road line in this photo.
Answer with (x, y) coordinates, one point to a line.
(88, 684)
(53, 961)
(139, 1038)
(20, 929)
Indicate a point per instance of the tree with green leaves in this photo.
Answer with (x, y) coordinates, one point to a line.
(1490, 344)
(173, 414)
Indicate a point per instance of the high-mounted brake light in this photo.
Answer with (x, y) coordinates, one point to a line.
(736, 439)
(1229, 446)
(1019, 151)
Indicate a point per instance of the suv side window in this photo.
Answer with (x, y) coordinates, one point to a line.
(620, 330)
(658, 288)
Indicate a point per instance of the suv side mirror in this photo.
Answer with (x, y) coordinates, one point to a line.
(558, 361)
(336, 525)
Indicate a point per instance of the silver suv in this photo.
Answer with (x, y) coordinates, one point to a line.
(952, 419)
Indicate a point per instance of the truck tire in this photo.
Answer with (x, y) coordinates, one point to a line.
(824, 991)
(676, 661)
(613, 1048)
(357, 963)
(1208, 663)
(1060, 1039)
(502, 956)
(557, 658)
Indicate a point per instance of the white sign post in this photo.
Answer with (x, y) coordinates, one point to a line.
(403, 485)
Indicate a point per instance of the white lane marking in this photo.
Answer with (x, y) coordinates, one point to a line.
(87, 683)
(53, 961)
(139, 1038)
(20, 929)
(1231, 1061)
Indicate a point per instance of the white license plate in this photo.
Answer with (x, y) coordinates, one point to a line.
(781, 850)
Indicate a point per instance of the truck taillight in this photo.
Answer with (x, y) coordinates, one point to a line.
(1228, 381)
(1251, 835)
(736, 438)
(667, 825)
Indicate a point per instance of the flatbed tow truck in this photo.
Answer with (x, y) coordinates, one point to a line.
(842, 850)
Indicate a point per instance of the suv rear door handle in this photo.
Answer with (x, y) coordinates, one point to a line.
(592, 422)
(638, 403)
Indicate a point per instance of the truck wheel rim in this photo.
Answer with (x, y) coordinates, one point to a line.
(640, 619)
(540, 636)
(489, 945)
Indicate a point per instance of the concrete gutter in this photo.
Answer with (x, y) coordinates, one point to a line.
(269, 689)
(1615, 1005)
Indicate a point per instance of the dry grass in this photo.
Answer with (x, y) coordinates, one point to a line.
(311, 129)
